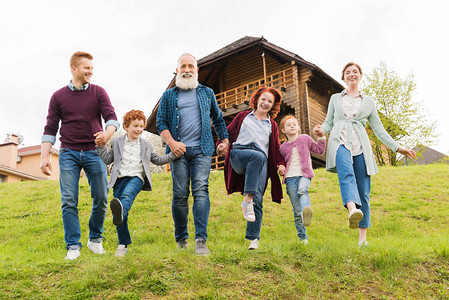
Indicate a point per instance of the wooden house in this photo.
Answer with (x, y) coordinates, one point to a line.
(236, 71)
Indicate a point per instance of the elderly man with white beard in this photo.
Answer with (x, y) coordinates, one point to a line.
(183, 121)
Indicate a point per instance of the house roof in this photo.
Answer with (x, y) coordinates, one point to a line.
(8, 170)
(249, 41)
(426, 156)
(33, 150)
(243, 44)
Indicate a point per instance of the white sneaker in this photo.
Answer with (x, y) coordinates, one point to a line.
(306, 215)
(248, 211)
(355, 216)
(73, 254)
(304, 242)
(363, 243)
(96, 248)
(254, 244)
(121, 251)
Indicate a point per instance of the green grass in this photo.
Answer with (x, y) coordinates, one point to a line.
(407, 256)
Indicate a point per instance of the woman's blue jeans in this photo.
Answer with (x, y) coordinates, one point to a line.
(193, 167)
(298, 191)
(126, 190)
(252, 163)
(70, 164)
(355, 183)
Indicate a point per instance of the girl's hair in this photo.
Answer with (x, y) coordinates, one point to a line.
(285, 119)
(133, 115)
(277, 100)
(348, 65)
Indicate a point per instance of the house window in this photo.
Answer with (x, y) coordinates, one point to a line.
(274, 82)
(2, 178)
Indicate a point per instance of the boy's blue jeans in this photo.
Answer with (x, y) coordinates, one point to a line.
(70, 164)
(298, 191)
(252, 163)
(193, 167)
(355, 183)
(126, 190)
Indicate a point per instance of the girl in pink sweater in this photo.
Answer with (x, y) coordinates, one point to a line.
(298, 172)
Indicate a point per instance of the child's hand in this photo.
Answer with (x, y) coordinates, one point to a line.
(281, 170)
(318, 131)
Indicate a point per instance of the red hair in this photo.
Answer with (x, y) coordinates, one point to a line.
(277, 100)
(74, 60)
(285, 119)
(133, 115)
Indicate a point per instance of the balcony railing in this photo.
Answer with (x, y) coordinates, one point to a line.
(242, 94)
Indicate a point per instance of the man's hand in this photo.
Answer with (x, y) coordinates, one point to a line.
(100, 139)
(45, 158)
(177, 148)
(46, 166)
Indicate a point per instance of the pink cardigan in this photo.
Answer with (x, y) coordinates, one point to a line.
(304, 144)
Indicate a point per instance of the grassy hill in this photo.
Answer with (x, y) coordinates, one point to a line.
(407, 255)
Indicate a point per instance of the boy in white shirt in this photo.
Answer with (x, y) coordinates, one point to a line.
(130, 174)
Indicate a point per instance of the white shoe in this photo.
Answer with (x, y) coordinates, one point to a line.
(254, 244)
(73, 254)
(363, 243)
(355, 216)
(306, 215)
(96, 248)
(304, 242)
(248, 211)
(121, 251)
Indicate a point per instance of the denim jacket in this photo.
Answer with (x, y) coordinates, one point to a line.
(168, 117)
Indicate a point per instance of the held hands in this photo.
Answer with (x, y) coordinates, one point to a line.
(281, 170)
(222, 148)
(407, 152)
(177, 148)
(318, 131)
(101, 138)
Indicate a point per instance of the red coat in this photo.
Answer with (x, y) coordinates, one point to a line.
(234, 181)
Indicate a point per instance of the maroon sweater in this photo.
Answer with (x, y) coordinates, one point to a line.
(234, 181)
(80, 114)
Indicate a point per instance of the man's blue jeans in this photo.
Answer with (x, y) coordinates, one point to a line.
(70, 164)
(126, 190)
(252, 163)
(191, 168)
(298, 191)
(355, 183)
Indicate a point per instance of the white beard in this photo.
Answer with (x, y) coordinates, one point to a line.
(187, 83)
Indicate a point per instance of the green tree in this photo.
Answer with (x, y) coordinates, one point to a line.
(404, 118)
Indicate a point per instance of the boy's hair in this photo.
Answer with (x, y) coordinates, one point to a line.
(74, 60)
(348, 65)
(277, 100)
(285, 119)
(133, 115)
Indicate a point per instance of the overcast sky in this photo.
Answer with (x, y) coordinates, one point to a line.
(136, 44)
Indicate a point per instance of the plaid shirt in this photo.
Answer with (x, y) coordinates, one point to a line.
(168, 117)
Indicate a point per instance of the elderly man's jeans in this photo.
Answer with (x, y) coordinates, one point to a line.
(191, 168)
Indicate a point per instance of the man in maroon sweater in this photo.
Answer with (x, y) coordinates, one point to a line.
(79, 107)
